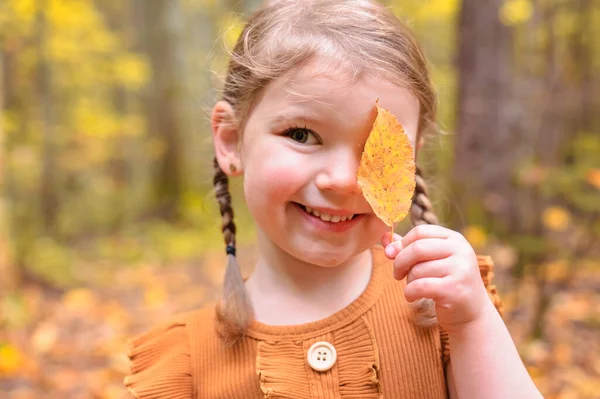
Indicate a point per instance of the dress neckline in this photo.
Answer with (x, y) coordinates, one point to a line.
(337, 320)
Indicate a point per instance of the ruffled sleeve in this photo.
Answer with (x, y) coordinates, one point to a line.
(486, 269)
(161, 364)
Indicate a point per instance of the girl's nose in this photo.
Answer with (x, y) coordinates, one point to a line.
(339, 174)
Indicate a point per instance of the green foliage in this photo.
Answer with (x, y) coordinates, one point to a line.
(50, 261)
(573, 182)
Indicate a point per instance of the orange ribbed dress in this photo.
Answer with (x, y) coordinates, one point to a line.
(370, 349)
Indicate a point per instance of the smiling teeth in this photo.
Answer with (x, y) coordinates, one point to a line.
(328, 218)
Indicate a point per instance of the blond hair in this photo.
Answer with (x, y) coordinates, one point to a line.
(287, 34)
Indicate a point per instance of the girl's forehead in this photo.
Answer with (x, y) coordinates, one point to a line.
(321, 77)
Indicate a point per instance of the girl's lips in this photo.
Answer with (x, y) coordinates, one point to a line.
(322, 225)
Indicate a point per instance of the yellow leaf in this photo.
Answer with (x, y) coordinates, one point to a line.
(232, 27)
(556, 218)
(475, 235)
(515, 12)
(155, 296)
(386, 173)
(131, 70)
(11, 359)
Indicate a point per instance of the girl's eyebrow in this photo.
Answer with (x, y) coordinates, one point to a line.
(294, 115)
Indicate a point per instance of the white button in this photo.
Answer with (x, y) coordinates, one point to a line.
(321, 356)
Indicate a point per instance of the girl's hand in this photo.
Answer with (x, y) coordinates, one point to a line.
(441, 265)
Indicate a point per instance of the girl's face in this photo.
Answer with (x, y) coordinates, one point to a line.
(300, 153)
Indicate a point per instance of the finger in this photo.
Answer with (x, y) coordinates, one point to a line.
(392, 248)
(420, 251)
(386, 238)
(429, 287)
(425, 231)
(432, 268)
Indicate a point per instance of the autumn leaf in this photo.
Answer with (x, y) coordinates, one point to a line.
(386, 173)
(155, 296)
(11, 359)
(556, 218)
(476, 236)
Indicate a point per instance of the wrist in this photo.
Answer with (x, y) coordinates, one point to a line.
(477, 326)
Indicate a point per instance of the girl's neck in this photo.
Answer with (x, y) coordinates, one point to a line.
(287, 291)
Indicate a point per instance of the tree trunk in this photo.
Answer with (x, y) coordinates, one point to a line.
(163, 24)
(48, 195)
(485, 139)
(9, 272)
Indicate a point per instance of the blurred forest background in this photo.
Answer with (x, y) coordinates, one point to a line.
(107, 219)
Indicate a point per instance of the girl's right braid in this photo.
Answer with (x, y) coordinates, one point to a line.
(234, 311)
(421, 212)
(221, 184)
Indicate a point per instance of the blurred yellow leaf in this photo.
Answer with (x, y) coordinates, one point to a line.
(437, 9)
(556, 218)
(386, 173)
(476, 236)
(155, 296)
(24, 10)
(232, 27)
(515, 12)
(131, 70)
(593, 177)
(11, 359)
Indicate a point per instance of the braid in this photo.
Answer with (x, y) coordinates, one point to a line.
(234, 311)
(421, 212)
(221, 184)
(421, 209)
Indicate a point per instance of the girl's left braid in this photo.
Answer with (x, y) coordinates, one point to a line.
(421, 212)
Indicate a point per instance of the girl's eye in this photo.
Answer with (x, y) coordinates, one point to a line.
(302, 135)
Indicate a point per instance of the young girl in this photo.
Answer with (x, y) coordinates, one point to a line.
(327, 312)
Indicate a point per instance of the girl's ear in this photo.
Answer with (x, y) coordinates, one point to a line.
(226, 138)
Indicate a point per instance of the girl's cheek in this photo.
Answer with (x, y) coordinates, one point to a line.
(273, 178)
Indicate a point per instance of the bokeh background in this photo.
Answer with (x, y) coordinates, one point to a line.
(108, 224)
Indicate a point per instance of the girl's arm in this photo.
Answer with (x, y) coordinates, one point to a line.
(440, 264)
(484, 362)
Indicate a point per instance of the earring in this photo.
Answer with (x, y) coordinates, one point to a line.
(232, 168)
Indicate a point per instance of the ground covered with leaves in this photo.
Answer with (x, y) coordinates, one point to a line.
(73, 343)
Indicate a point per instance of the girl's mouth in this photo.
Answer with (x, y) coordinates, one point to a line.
(325, 216)
(327, 221)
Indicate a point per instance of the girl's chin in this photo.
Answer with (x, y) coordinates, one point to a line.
(329, 256)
